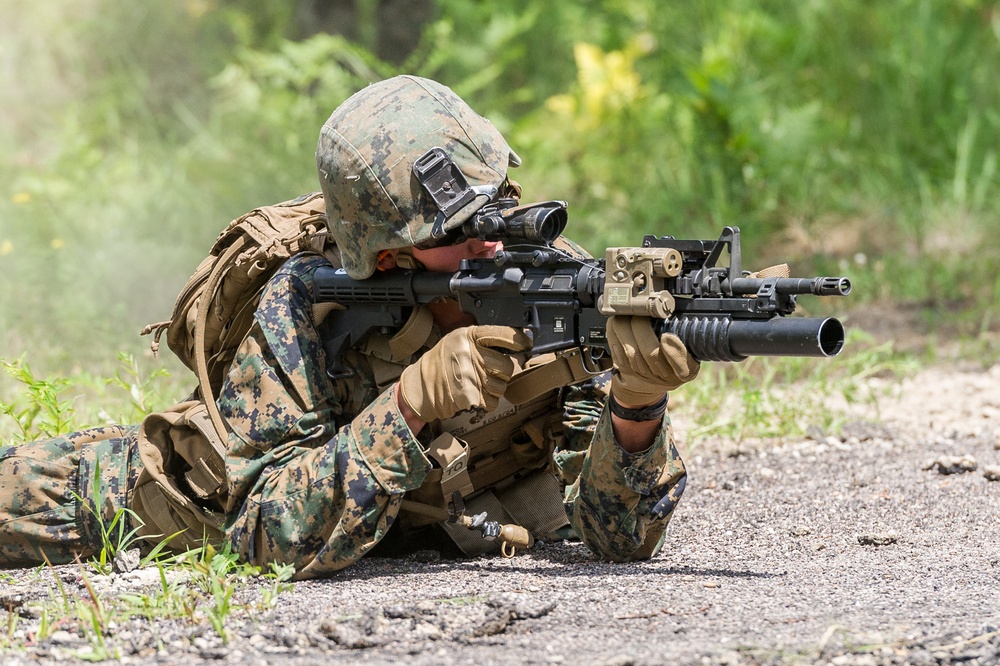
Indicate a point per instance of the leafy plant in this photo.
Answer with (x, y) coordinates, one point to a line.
(279, 576)
(43, 413)
(143, 390)
(114, 538)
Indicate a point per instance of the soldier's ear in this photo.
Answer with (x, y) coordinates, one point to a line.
(386, 260)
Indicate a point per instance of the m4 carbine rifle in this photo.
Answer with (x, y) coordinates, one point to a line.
(719, 312)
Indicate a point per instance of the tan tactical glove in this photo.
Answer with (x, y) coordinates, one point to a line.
(461, 371)
(647, 366)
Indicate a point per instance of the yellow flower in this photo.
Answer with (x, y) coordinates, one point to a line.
(196, 8)
(58, 243)
(607, 83)
(21, 197)
(563, 105)
(6, 248)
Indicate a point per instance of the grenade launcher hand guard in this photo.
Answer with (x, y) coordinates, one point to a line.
(719, 312)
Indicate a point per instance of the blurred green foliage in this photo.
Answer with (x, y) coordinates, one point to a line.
(851, 137)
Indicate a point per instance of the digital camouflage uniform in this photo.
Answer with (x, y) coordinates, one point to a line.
(50, 492)
(316, 469)
(316, 476)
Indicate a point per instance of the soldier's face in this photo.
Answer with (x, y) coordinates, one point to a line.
(447, 259)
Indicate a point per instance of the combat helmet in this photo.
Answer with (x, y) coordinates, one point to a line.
(366, 155)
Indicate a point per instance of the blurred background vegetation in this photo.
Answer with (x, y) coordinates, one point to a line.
(844, 137)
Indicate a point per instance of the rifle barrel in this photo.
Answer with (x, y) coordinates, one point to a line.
(817, 286)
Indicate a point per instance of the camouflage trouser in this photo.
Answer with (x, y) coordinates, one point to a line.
(49, 501)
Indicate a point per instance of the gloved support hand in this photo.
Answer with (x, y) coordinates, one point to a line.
(463, 370)
(646, 366)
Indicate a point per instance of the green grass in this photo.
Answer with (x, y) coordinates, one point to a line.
(35, 407)
(199, 587)
(774, 398)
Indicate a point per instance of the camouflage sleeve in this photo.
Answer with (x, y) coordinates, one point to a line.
(316, 467)
(611, 493)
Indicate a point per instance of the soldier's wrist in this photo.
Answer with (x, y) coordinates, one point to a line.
(638, 413)
(413, 420)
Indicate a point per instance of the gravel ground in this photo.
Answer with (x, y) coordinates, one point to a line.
(878, 546)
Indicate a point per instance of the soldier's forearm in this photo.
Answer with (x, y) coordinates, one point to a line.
(635, 436)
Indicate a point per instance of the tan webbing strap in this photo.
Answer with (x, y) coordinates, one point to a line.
(415, 332)
(452, 455)
(566, 369)
(198, 417)
(200, 358)
(776, 271)
(208, 475)
(322, 243)
(435, 512)
(384, 372)
(320, 311)
(202, 480)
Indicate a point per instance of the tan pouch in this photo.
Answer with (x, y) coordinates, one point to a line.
(181, 457)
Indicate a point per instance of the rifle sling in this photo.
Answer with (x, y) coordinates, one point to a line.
(565, 369)
(200, 357)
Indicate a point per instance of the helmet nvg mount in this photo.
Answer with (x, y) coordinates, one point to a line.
(402, 163)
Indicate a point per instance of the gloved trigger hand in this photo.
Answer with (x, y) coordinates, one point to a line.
(469, 367)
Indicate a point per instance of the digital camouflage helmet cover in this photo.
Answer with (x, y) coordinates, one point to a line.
(366, 155)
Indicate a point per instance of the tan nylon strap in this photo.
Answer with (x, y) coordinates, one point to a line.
(776, 271)
(415, 332)
(208, 475)
(202, 480)
(199, 418)
(452, 455)
(322, 243)
(566, 369)
(501, 466)
(200, 357)
(320, 311)
(413, 506)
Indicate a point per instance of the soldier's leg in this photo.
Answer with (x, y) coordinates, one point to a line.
(49, 501)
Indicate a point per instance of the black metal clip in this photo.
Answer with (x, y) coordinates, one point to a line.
(443, 180)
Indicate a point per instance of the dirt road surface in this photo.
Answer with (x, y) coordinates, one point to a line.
(852, 548)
